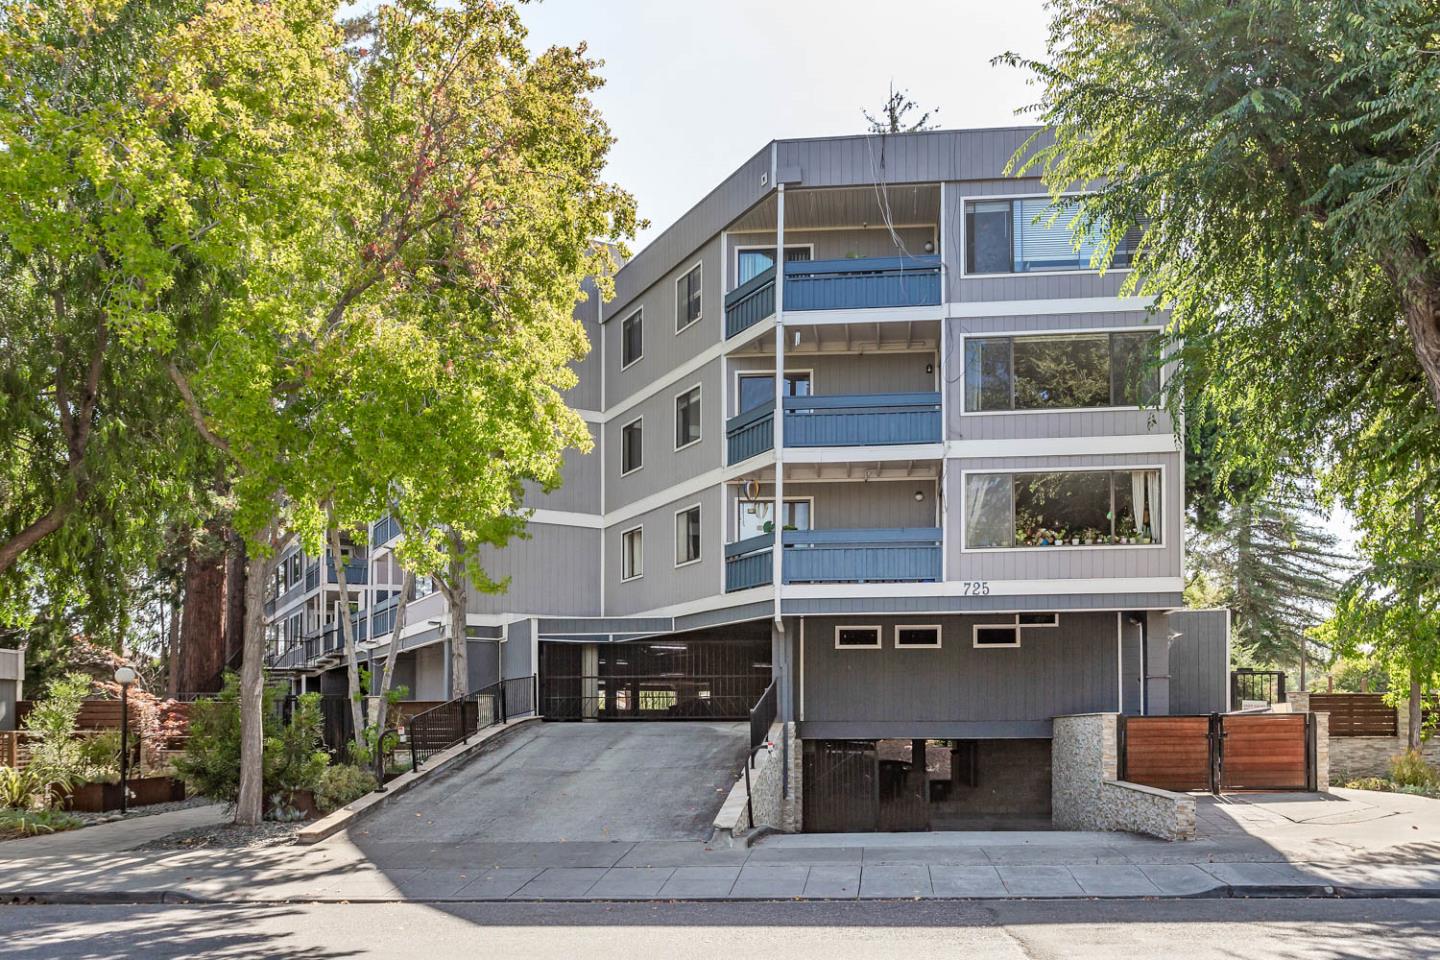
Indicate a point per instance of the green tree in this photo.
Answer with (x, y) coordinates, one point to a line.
(433, 198)
(1282, 159)
(894, 115)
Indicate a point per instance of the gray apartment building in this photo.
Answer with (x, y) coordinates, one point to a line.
(867, 426)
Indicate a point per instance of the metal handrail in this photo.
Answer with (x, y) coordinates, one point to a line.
(442, 727)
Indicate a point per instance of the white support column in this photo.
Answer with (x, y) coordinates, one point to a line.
(778, 429)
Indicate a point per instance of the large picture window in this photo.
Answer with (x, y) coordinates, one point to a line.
(1029, 235)
(1060, 372)
(1080, 508)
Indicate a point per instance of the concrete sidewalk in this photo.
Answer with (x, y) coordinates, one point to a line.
(1361, 844)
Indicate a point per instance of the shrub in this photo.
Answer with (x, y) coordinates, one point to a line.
(1367, 783)
(21, 789)
(28, 823)
(1409, 769)
(340, 784)
(292, 758)
(57, 756)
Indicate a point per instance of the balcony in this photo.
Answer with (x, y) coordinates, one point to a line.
(851, 284)
(383, 532)
(355, 573)
(382, 616)
(906, 555)
(855, 420)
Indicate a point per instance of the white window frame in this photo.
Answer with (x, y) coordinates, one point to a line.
(966, 199)
(939, 636)
(675, 527)
(1014, 628)
(625, 426)
(640, 312)
(789, 372)
(878, 631)
(1068, 331)
(739, 248)
(698, 389)
(1121, 468)
(810, 499)
(640, 529)
(697, 265)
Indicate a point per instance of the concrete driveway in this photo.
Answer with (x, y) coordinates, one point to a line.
(576, 782)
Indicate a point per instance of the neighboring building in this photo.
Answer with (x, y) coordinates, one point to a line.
(960, 393)
(12, 686)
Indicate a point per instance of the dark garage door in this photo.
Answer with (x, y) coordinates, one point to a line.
(669, 678)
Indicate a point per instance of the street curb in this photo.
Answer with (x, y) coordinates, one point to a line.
(1223, 892)
(347, 815)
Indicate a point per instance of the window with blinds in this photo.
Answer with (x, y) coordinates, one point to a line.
(1031, 235)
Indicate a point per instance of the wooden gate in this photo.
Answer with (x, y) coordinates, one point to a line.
(1219, 752)
(1268, 751)
(1172, 753)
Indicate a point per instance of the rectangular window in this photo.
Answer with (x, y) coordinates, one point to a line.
(687, 417)
(1038, 619)
(1060, 372)
(996, 635)
(750, 263)
(631, 456)
(632, 554)
(1031, 235)
(687, 536)
(857, 638)
(759, 388)
(687, 299)
(632, 338)
(910, 637)
(1075, 508)
(754, 517)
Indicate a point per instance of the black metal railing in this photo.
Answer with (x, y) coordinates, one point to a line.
(762, 716)
(1250, 684)
(455, 721)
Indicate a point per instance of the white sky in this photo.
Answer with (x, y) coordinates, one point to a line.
(695, 87)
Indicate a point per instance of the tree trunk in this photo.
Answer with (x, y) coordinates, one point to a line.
(347, 633)
(173, 642)
(202, 626)
(387, 674)
(1413, 740)
(249, 806)
(235, 581)
(457, 599)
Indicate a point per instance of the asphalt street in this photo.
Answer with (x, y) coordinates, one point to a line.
(1011, 930)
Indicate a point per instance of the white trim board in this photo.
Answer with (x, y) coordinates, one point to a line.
(998, 588)
(1137, 443)
(1019, 308)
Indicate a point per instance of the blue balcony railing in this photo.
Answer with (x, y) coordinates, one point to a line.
(837, 421)
(899, 555)
(852, 284)
(384, 531)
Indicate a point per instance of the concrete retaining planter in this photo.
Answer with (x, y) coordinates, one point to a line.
(1087, 793)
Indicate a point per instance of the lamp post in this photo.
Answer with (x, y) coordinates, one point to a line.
(124, 676)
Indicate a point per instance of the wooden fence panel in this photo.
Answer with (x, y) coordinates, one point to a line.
(1172, 753)
(1265, 752)
(1357, 714)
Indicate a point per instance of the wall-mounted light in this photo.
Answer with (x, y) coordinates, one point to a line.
(929, 246)
(929, 368)
(919, 496)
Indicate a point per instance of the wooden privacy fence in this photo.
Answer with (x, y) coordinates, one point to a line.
(1357, 714)
(13, 749)
(1219, 752)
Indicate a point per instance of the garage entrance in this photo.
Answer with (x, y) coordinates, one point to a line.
(679, 677)
(855, 786)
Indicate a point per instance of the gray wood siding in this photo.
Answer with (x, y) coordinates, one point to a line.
(906, 158)
(664, 583)
(586, 394)
(833, 374)
(1055, 670)
(1064, 563)
(555, 571)
(579, 490)
(855, 504)
(662, 465)
(1199, 660)
(663, 348)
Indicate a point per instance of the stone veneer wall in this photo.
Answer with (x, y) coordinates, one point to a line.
(1088, 796)
(767, 788)
(1353, 757)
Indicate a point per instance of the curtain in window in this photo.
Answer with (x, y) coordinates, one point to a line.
(1145, 495)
